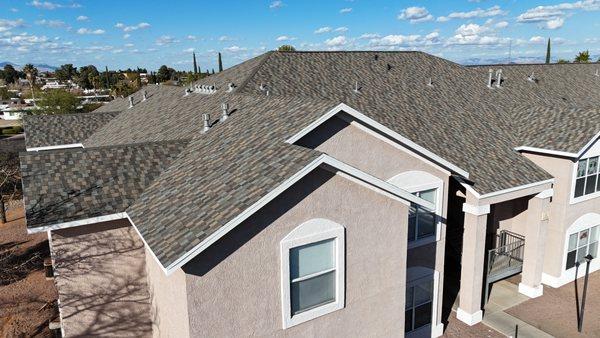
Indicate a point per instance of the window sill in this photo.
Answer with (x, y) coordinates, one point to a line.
(575, 200)
(312, 314)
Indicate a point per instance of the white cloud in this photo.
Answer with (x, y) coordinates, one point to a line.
(51, 23)
(276, 4)
(225, 38)
(323, 30)
(413, 40)
(415, 14)
(235, 49)
(474, 34)
(129, 45)
(477, 13)
(285, 38)
(538, 40)
(87, 31)
(555, 23)
(166, 40)
(341, 29)
(471, 29)
(14, 10)
(51, 5)
(126, 36)
(141, 25)
(345, 10)
(189, 50)
(6, 25)
(337, 41)
(501, 24)
(82, 18)
(191, 37)
(369, 36)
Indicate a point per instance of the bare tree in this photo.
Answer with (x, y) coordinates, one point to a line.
(10, 180)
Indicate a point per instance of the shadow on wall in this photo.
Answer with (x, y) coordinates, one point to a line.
(101, 279)
(229, 243)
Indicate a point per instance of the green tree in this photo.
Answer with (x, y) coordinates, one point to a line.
(57, 101)
(286, 48)
(65, 72)
(583, 57)
(10, 74)
(220, 63)
(4, 94)
(548, 52)
(31, 72)
(87, 76)
(165, 73)
(563, 61)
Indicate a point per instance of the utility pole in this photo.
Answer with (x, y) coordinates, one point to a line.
(588, 260)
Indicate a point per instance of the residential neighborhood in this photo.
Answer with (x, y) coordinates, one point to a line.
(305, 190)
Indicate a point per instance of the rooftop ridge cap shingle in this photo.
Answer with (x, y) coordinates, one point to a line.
(126, 145)
(244, 83)
(93, 112)
(530, 64)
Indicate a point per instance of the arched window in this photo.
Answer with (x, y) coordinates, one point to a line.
(582, 239)
(312, 271)
(424, 225)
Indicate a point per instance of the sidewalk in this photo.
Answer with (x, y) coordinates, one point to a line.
(505, 295)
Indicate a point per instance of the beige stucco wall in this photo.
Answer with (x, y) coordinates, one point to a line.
(168, 300)
(353, 145)
(234, 286)
(562, 213)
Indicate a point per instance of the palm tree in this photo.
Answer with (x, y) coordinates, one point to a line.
(31, 72)
(583, 56)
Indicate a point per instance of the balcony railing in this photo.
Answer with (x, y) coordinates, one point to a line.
(506, 259)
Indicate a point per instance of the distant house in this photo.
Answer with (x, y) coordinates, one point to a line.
(317, 194)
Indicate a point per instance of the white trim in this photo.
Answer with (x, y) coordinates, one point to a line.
(569, 275)
(545, 194)
(323, 159)
(86, 221)
(165, 271)
(531, 291)
(588, 145)
(376, 125)
(312, 231)
(467, 318)
(546, 151)
(477, 210)
(517, 188)
(60, 146)
(55, 274)
(584, 197)
(437, 330)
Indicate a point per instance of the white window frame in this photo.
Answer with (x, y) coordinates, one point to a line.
(312, 231)
(416, 181)
(579, 246)
(584, 197)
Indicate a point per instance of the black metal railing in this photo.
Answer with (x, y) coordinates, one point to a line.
(506, 259)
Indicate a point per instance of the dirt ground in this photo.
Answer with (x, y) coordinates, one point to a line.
(24, 308)
(556, 313)
(458, 329)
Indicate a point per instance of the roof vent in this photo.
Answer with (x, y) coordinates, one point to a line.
(224, 111)
(490, 78)
(376, 57)
(262, 87)
(356, 87)
(144, 95)
(205, 89)
(532, 78)
(206, 126)
(230, 87)
(187, 91)
(597, 72)
(499, 78)
(389, 67)
(430, 83)
(131, 102)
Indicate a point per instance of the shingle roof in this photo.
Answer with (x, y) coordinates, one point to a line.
(457, 118)
(71, 184)
(51, 130)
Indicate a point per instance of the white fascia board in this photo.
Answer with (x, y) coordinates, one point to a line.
(165, 271)
(547, 151)
(60, 146)
(588, 145)
(85, 221)
(323, 159)
(505, 191)
(342, 107)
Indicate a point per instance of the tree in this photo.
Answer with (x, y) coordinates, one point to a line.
(165, 73)
(563, 61)
(4, 94)
(220, 63)
(286, 48)
(583, 57)
(195, 64)
(57, 101)
(548, 52)
(10, 74)
(87, 76)
(31, 72)
(66, 72)
(10, 180)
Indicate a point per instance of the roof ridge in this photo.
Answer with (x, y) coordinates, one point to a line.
(266, 56)
(126, 145)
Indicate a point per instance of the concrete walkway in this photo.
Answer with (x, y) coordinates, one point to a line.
(505, 295)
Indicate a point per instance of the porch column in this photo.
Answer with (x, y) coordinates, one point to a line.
(473, 253)
(535, 242)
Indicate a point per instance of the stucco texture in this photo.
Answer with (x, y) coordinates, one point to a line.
(234, 287)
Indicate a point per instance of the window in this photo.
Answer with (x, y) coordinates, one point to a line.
(312, 271)
(419, 304)
(587, 182)
(422, 222)
(581, 244)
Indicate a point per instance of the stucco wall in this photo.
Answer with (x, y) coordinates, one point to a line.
(562, 213)
(168, 300)
(234, 286)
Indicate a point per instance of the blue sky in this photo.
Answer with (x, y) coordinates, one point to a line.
(121, 34)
